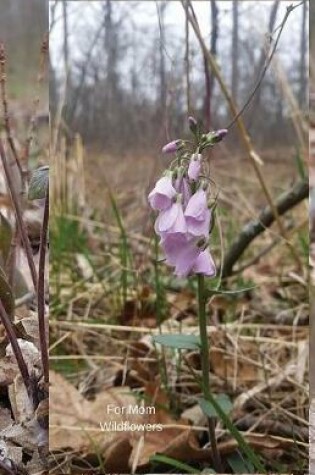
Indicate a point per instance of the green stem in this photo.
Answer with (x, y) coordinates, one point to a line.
(204, 354)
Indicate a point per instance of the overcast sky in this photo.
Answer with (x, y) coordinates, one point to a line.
(141, 26)
(254, 15)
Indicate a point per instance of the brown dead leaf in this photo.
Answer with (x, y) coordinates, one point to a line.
(227, 367)
(8, 371)
(75, 423)
(74, 419)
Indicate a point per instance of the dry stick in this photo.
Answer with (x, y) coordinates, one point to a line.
(284, 203)
(268, 248)
(19, 218)
(41, 291)
(4, 101)
(242, 129)
(15, 346)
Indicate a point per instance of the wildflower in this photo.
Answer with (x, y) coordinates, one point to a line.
(219, 135)
(161, 197)
(172, 147)
(194, 167)
(182, 186)
(204, 264)
(171, 220)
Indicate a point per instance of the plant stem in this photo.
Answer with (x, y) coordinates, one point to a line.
(41, 290)
(5, 319)
(204, 354)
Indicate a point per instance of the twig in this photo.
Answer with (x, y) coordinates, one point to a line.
(267, 249)
(242, 129)
(15, 347)
(264, 70)
(19, 218)
(284, 203)
(41, 291)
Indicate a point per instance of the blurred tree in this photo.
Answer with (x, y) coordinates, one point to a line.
(303, 59)
(235, 51)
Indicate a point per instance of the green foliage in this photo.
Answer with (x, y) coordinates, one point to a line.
(183, 467)
(207, 407)
(180, 342)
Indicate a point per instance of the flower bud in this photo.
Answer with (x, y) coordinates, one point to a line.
(219, 135)
(193, 125)
(172, 147)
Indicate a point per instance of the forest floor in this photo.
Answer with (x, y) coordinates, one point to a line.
(109, 294)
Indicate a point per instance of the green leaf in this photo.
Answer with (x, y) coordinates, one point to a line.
(238, 464)
(174, 463)
(207, 407)
(181, 342)
(223, 401)
(6, 294)
(39, 183)
(5, 238)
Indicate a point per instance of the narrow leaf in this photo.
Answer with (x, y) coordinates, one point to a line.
(183, 467)
(223, 401)
(187, 342)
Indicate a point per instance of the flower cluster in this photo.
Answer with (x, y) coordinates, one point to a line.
(184, 216)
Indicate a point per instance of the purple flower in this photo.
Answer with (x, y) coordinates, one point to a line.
(182, 186)
(197, 205)
(180, 252)
(197, 214)
(194, 167)
(171, 220)
(172, 147)
(204, 264)
(161, 197)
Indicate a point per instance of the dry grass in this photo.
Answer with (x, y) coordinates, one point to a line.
(258, 338)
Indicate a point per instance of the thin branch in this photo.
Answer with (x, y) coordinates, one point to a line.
(254, 228)
(19, 218)
(264, 70)
(41, 291)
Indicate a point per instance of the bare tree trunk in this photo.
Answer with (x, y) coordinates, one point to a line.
(303, 78)
(209, 79)
(163, 86)
(235, 51)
